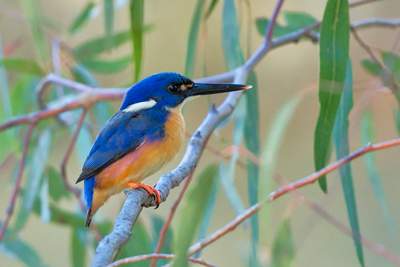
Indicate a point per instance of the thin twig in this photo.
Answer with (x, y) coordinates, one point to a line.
(18, 181)
(165, 227)
(155, 256)
(310, 179)
(67, 156)
(361, 2)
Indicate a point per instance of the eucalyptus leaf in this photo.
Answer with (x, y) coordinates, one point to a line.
(136, 8)
(22, 65)
(283, 249)
(83, 17)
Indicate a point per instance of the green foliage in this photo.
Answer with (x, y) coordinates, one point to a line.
(192, 207)
(22, 65)
(136, 9)
(341, 137)
(283, 250)
(82, 18)
(78, 247)
(106, 66)
(334, 54)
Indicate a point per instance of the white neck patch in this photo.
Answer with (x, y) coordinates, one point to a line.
(140, 106)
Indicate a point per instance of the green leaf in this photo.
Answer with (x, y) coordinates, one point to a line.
(5, 95)
(334, 54)
(157, 222)
(44, 201)
(138, 244)
(372, 67)
(210, 9)
(392, 61)
(252, 143)
(16, 248)
(22, 65)
(193, 37)
(21, 94)
(192, 207)
(341, 137)
(270, 155)
(230, 36)
(109, 18)
(83, 17)
(31, 189)
(294, 21)
(78, 247)
(136, 9)
(367, 136)
(32, 9)
(96, 46)
(107, 66)
(283, 250)
(56, 186)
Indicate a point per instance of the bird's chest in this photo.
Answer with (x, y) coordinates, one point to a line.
(148, 158)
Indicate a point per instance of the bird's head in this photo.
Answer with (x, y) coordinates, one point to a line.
(169, 90)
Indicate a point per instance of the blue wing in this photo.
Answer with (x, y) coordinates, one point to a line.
(123, 133)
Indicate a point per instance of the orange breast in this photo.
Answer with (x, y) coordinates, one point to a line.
(145, 160)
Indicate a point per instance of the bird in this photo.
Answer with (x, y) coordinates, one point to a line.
(145, 133)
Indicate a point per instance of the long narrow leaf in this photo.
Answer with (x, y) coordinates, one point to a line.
(22, 65)
(137, 23)
(367, 136)
(109, 19)
(107, 66)
(193, 207)
(193, 37)
(283, 250)
(341, 137)
(78, 247)
(334, 54)
(82, 18)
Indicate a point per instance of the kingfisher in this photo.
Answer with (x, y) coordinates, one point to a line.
(145, 133)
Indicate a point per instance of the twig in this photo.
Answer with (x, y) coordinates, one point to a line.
(18, 181)
(164, 229)
(66, 157)
(361, 2)
(155, 256)
(331, 167)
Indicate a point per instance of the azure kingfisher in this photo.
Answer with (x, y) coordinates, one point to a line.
(141, 137)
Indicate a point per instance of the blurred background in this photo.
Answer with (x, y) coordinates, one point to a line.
(283, 75)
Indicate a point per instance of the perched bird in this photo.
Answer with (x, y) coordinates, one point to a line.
(141, 137)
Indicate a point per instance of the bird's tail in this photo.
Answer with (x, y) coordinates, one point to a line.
(89, 216)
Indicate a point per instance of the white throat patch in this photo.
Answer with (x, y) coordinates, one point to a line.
(140, 106)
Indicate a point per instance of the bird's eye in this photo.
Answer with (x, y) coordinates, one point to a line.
(173, 88)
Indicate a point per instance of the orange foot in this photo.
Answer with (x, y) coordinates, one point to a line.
(149, 189)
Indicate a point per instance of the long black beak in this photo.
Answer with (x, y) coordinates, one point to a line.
(214, 88)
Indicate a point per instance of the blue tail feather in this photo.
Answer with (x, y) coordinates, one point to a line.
(88, 190)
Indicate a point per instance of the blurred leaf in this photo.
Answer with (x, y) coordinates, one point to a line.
(252, 142)
(22, 65)
(210, 207)
(334, 54)
(16, 248)
(193, 37)
(83, 144)
(107, 66)
(210, 8)
(57, 189)
(96, 46)
(109, 19)
(367, 136)
(157, 223)
(372, 67)
(138, 244)
(44, 201)
(341, 137)
(78, 247)
(21, 94)
(32, 13)
(193, 207)
(270, 154)
(5, 95)
(136, 9)
(36, 169)
(83, 75)
(230, 36)
(294, 21)
(392, 61)
(227, 171)
(283, 250)
(83, 17)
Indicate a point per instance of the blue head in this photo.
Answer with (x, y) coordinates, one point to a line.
(169, 90)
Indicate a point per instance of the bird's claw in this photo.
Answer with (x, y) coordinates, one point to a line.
(149, 189)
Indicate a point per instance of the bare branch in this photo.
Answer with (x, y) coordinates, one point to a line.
(155, 256)
(18, 181)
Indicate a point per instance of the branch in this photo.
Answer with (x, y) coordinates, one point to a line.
(310, 179)
(155, 256)
(18, 182)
